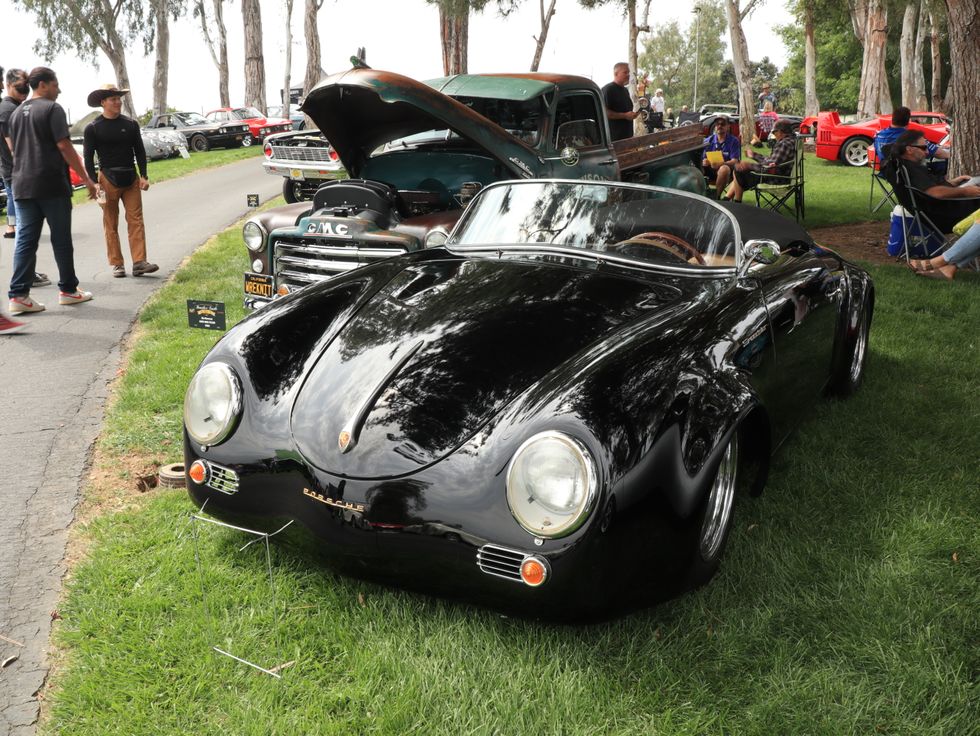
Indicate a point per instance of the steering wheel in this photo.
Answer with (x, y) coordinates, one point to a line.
(668, 242)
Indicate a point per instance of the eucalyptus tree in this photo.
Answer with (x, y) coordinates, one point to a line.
(637, 14)
(454, 32)
(737, 12)
(964, 40)
(312, 34)
(869, 19)
(544, 17)
(163, 12)
(254, 58)
(218, 44)
(81, 26)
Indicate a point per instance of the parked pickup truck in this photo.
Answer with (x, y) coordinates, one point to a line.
(419, 151)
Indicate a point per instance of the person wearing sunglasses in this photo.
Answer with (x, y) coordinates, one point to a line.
(911, 150)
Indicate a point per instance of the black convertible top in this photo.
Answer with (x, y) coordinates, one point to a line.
(755, 222)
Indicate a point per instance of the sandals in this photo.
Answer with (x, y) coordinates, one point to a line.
(920, 266)
(935, 273)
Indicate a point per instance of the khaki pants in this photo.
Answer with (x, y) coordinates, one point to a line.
(133, 204)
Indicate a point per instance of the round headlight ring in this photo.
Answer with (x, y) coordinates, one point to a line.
(551, 524)
(193, 408)
(254, 236)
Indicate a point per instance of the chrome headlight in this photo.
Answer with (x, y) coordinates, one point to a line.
(213, 404)
(254, 236)
(551, 484)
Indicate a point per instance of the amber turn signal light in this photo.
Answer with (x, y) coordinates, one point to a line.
(198, 472)
(533, 572)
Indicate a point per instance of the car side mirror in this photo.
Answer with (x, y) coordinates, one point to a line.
(758, 250)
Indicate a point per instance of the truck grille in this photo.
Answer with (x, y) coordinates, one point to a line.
(300, 153)
(302, 261)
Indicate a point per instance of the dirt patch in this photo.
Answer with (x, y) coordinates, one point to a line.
(860, 241)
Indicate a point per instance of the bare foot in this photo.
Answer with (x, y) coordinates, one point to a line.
(943, 273)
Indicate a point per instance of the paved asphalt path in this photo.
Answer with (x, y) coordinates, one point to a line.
(53, 386)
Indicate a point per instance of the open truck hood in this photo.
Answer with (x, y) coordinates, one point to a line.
(361, 109)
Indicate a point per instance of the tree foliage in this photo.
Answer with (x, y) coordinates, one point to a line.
(669, 53)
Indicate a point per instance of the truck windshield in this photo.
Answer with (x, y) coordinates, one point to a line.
(521, 118)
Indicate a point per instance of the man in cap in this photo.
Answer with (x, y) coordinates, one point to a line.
(767, 96)
(17, 90)
(780, 161)
(41, 148)
(117, 141)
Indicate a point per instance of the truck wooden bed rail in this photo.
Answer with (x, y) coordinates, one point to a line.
(634, 152)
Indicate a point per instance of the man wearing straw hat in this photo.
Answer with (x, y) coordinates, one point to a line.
(116, 140)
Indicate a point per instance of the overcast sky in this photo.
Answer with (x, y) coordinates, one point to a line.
(399, 35)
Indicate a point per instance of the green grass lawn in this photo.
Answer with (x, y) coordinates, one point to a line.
(847, 603)
(837, 194)
(173, 168)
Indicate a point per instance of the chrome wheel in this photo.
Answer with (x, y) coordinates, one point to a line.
(718, 514)
(855, 152)
(247, 141)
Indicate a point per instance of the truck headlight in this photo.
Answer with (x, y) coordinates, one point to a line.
(551, 484)
(254, 236)
(213, 404)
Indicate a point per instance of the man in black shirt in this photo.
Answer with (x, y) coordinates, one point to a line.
(117, 141)
(619, 105)
(17, 90)
(911, 148)
(41, 149)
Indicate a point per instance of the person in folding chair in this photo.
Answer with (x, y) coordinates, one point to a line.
(780, 161)
(943, 202)
(945, 265)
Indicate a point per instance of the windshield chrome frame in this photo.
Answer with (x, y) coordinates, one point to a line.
(546, 248)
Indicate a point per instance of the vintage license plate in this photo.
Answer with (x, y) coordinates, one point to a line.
(296, 174)
(258, 284)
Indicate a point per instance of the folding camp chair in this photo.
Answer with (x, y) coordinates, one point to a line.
(929, 220)
(688, 118)
(879, 181)
(774, 190)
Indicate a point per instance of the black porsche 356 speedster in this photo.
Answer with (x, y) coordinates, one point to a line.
(550, 413)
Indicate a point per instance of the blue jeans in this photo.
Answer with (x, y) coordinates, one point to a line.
(31, 214)
(8, 184)
(965, 249)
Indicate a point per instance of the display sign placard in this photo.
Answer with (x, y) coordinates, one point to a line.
(206, 315)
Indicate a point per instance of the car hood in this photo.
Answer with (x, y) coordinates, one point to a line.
(442, 347)
(361, 109)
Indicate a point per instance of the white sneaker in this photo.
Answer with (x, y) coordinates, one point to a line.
(75, 297)
(21, 304)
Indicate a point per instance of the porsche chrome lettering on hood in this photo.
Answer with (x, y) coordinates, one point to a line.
(443, 347)
(361, 109)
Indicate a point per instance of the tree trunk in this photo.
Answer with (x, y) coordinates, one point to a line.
(873, 94)
(161, 67)
(635, 27)
(219, 55)
(454, 32)
(543, 35)
(964, 40)
(289, 59)
(906, 52)
(811, 105)
(743, 78)
(254, 60)
(102, 30)
(935, 43)
(313, 70)
(859, 18)
(919, 100)
(118, 61)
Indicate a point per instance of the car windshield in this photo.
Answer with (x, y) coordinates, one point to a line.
(245, 113)
(638, 223)
(191, 118)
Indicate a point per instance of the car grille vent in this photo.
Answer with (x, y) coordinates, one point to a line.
(298, 153)
(500, 561)
(222, 479)
(302, 261)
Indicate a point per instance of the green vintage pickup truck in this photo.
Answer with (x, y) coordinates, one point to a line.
(417, 152)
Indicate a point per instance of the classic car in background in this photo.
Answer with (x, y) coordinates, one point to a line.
(259, 126)
(425, 148)
(296, 118)
(553, 412)
(304, 160)
(848, 142)
(160, 143)
(200, 133)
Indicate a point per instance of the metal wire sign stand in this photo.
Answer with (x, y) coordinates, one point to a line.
(196, 519)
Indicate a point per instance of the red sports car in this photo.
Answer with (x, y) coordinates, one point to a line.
(848, 142)
(259, 126)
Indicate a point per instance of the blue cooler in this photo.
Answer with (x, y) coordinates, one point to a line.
(925, 244)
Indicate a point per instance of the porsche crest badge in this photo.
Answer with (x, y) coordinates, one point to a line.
(344, 441)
